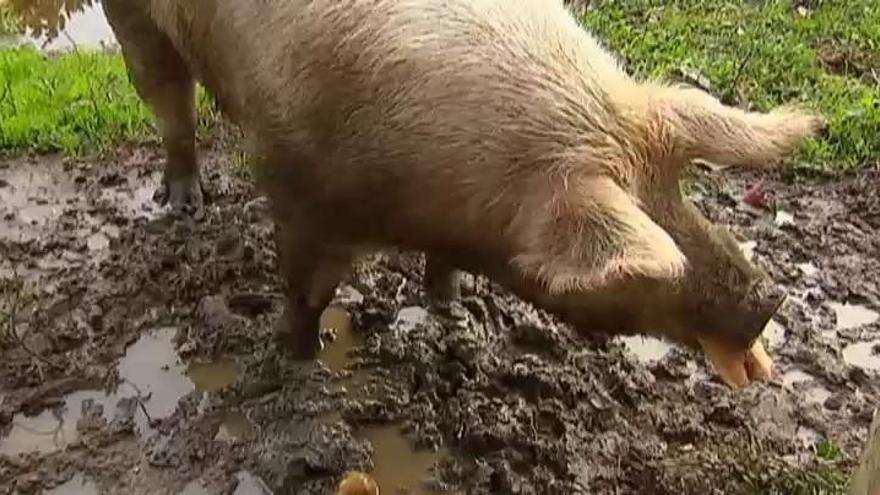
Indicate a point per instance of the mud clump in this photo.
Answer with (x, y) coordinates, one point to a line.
(148, 360)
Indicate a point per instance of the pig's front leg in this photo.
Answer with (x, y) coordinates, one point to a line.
(442, 280)
(310, 271)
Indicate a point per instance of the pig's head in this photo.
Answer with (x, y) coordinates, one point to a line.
(625, 253)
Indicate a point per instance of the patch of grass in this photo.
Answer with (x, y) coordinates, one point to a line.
(764, 53)
(73, 102)
(827, 474)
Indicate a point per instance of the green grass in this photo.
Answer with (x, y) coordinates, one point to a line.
(763, 53)
(72, 102)
(828, 473)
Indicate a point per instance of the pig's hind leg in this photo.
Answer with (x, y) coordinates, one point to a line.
(442, 280)
(311, 271)
(165, 84)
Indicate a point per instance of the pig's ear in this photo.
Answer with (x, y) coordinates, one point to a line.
(590, 235)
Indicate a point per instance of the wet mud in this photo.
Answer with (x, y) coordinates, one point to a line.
(139, 357)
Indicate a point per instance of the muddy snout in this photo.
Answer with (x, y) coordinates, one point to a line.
(739, 356)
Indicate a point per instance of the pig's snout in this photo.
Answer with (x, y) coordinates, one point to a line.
(740, 364)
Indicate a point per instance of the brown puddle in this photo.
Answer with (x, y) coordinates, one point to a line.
(62, 25)
(853, 315)
(335, 354)
(235, 427)
(863, 355)
(150, 369)
(396, 464)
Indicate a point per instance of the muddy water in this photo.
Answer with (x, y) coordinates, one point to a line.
(396, 464)
(150, 370)
(52, 429)
(62, 25)
(853, 315)
(863, 354)
(235, 427)
(336, 353)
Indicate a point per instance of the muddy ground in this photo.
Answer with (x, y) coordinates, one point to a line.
(138, 359)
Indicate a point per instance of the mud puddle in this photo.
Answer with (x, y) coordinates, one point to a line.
(852, 315)
(152, 382)
(397, 466)
(62, 26)
(865, 355)
(336, 321)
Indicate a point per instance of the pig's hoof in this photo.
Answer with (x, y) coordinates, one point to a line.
(184, 195)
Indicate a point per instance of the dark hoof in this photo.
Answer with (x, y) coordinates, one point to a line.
(184, 195)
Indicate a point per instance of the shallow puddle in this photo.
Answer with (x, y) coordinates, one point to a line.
(862, 354)
(78, 485)
(52, 429)
(646, 349)
(150, 369)
(211, 376)
(152, 366)
(335, 354)
(853, 315)
(65, 25)
(396, 463)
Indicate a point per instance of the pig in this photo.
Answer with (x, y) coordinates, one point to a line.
(497, 137)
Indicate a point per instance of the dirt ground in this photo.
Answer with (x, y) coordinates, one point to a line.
(139, 359)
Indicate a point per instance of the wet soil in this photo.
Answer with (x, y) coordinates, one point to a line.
(139, 357)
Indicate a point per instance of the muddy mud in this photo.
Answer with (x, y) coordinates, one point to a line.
(140, 359)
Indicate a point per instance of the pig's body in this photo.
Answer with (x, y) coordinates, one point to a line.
(495, 135)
